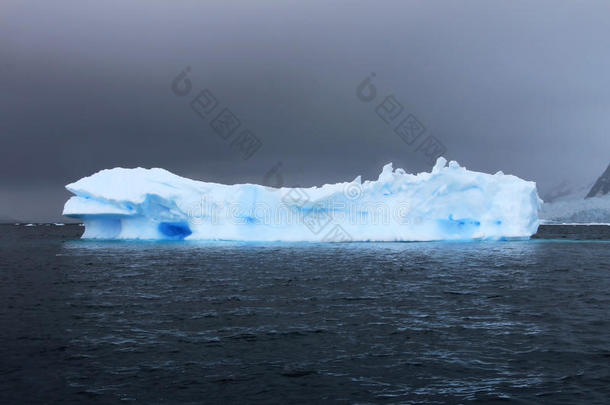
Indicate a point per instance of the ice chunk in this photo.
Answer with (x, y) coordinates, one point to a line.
(448, 203)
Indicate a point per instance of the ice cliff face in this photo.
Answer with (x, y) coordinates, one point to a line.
(447, 204)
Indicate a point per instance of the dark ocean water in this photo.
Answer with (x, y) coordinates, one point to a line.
(105, 322)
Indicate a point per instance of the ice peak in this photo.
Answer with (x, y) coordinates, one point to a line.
(386, 173)
(439, 165)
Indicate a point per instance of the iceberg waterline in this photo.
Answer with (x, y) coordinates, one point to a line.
(449, 203)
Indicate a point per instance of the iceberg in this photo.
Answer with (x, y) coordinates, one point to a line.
(448, 203)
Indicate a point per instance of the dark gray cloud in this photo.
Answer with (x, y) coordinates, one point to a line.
(515, 86)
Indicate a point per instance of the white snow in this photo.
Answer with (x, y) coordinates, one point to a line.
(450, 203)
(574, 209)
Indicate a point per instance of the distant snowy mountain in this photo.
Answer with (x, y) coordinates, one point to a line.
(577, 210)
(566, 190)
(601, 186)
(578, 206)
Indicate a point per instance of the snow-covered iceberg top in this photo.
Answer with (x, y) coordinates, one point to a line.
(449, 203)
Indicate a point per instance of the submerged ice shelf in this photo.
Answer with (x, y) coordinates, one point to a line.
(450, 203)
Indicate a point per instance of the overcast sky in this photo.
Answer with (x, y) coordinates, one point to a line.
(518, 86)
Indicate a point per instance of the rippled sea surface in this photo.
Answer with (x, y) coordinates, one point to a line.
(514, 321)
